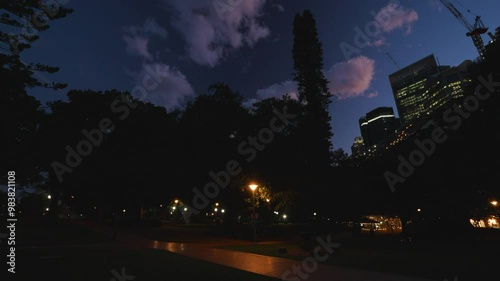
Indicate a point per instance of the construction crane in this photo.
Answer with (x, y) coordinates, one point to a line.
(474, 31)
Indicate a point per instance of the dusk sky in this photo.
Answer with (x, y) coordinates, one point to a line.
(106, 45)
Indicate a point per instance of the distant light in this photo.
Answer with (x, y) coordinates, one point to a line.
(176, 201)
(494, 203)
(215, 210)
(95, 207)
(314, 213)
(49, 196)
(222, 211)
(284, 216)
(418, 210)
(185, 209)
(46, 209)
(124, 210)
(253, 187)
(216, 204)
(73, 197)
(267, 200)
(161, 205)
(173, 208)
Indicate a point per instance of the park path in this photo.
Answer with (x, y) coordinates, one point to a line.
(259, 264)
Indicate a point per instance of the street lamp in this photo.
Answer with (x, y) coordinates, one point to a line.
(494, 203)
(253, 187)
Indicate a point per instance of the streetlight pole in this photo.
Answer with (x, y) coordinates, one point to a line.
(253, 187)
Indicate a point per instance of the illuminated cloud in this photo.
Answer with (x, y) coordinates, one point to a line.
(394, 16)
(380, 42)
(137, 37)
(171, 90)
(212, 29)
(351, 78)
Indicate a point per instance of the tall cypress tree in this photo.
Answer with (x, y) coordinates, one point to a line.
(315, 128)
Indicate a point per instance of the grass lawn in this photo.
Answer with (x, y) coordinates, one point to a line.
(434, 260)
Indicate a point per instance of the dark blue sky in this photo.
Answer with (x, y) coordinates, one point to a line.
(107, 45)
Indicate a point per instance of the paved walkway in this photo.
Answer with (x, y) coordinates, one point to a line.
(280, 268)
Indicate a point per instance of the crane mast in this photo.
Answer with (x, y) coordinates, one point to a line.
(474, 31)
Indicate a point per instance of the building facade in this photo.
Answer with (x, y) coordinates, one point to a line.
(378, 125)
(409, 87)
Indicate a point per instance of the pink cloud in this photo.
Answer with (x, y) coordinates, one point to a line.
(393, 16)
(372, 95)
(380, 42)
(351, 78)
(212, 29)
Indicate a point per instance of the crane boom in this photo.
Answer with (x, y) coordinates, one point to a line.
(457, 14)
(474, 31)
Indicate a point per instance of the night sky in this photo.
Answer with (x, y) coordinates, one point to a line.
(106, 45)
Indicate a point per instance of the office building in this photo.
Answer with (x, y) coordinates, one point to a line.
(378, 125)
(409, 87)
(447, 86)
(357, 147)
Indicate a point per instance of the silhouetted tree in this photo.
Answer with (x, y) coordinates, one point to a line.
(19, 112)
(313, 91)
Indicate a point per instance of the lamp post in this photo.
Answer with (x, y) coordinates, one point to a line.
(253, 187)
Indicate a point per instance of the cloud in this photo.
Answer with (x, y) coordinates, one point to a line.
(212, 29)
(171, 90)
(152, 27)
(279, 7)
(380, 42)
(137, 45)
(137, 37)
(278, 90)
(436, 4)
(347, 79)
(372, 95)
(351, 78)
(393, 16)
